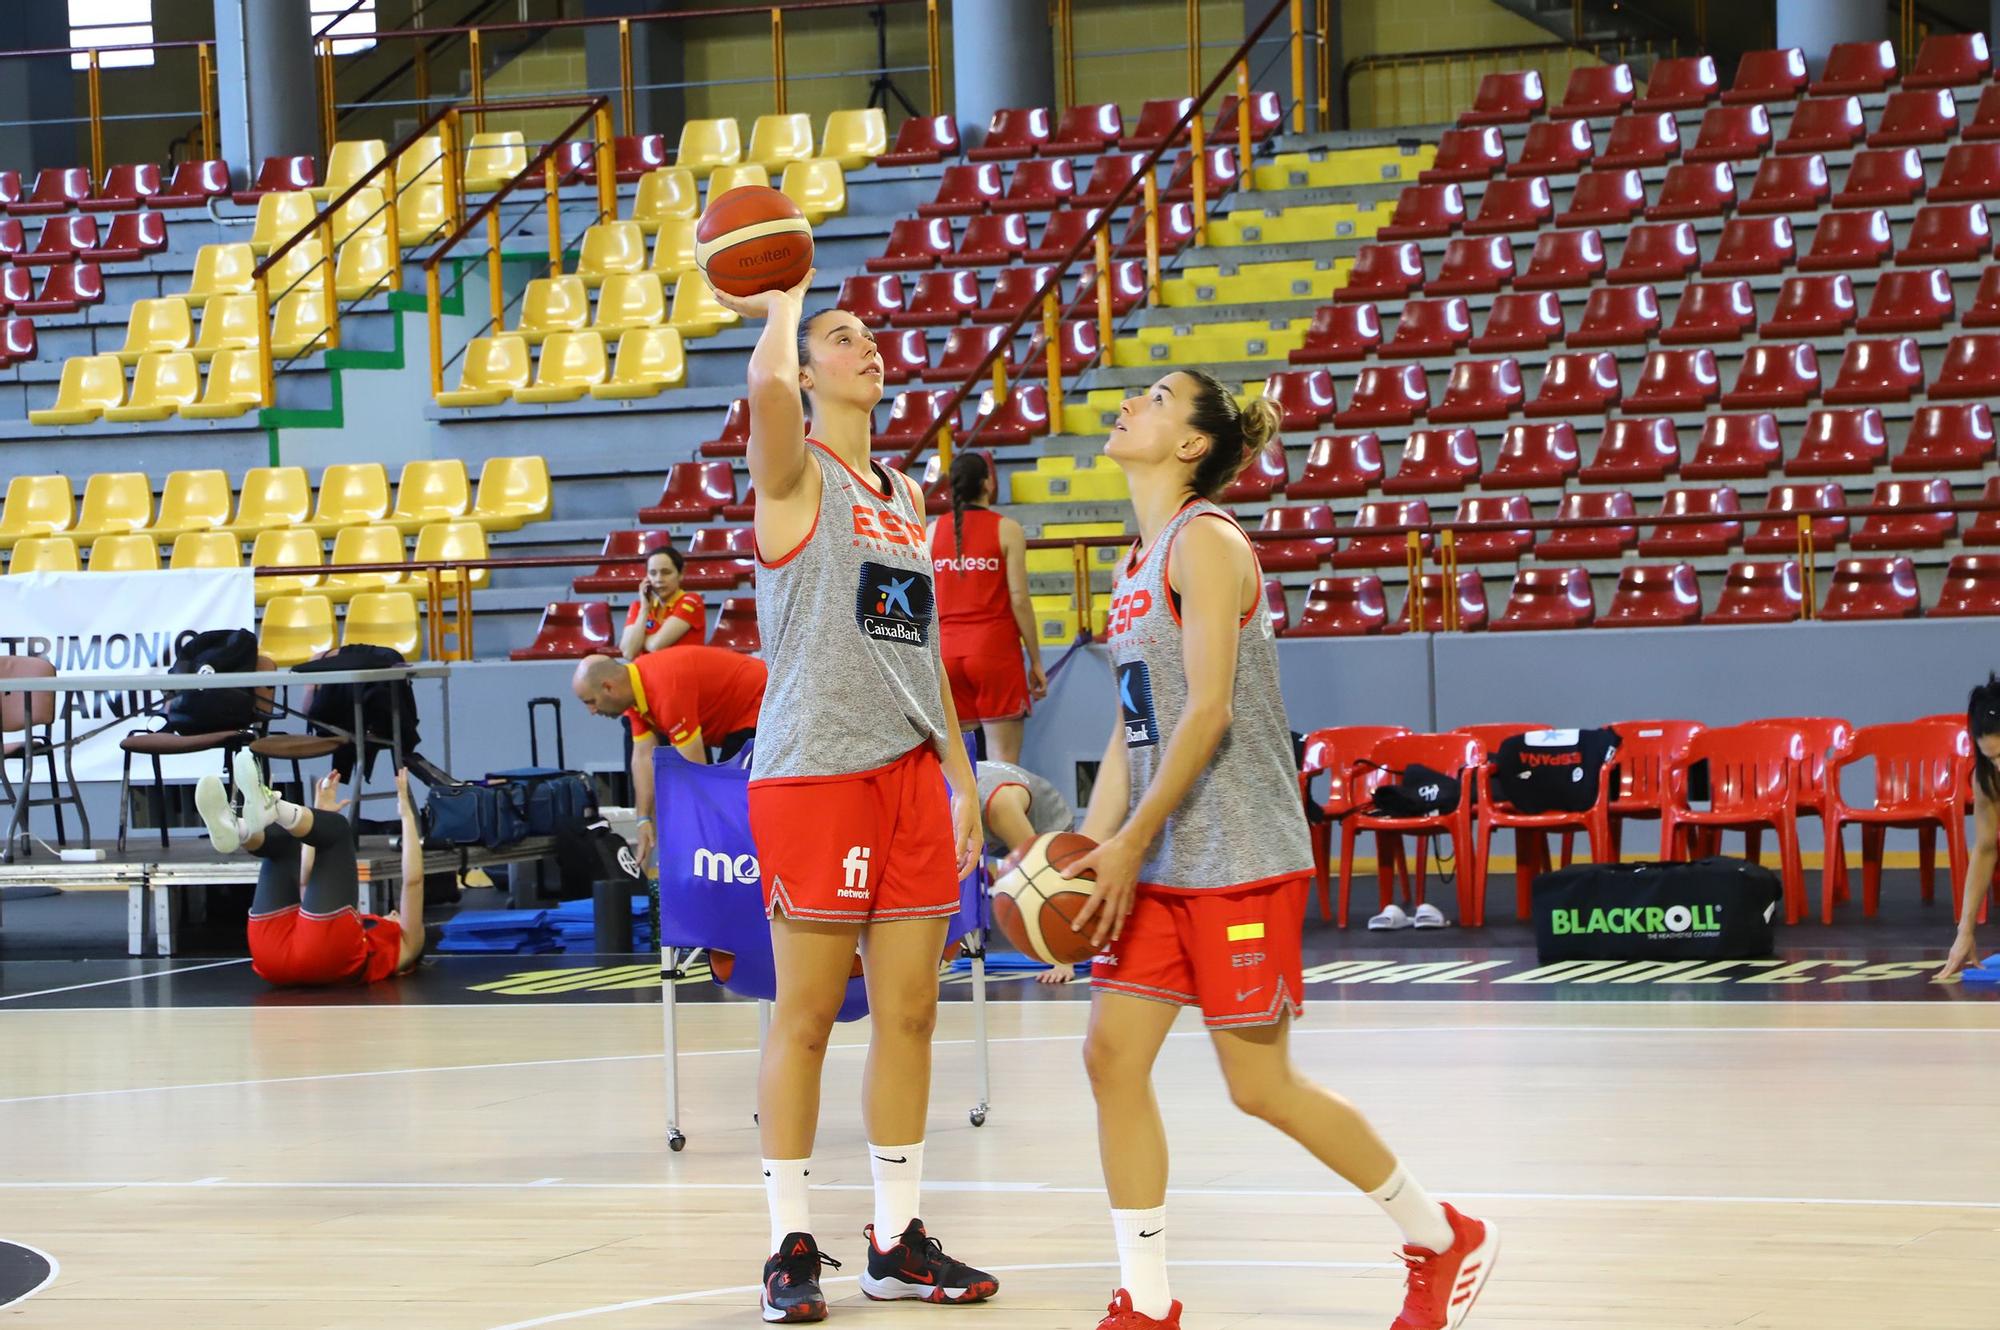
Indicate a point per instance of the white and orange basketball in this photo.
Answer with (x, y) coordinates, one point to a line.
(1034, 904)
(753, 239)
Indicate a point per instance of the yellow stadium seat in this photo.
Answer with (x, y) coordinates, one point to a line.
(726, 178)
(570, 364)
(235, 386)
(673, 248)
(36, 506)
(384, 619)
(299, 325)
(697, 313)
(45, 554)
(281, 215)
(348, 162)
(205, 549)
(629, 300)
(1056, 618)
(855, 138)
(376, 542)
(366, 267)
(164, 382)
(420, 164)
(362, 215)
(707, 144)
(160, 324)
(443, 542)
(422, 214)
(1103, 558)
(351, 494)
(220, 270)
(819, 187)
(553, 305)
(513, 491)
(777, 139)
(286, 547)
(491, 160)
(492, 369)
(299, 267)
(667, 192)
(610, 247)
(271, 497)
(89, 384)
(137, 552)
(114, 503)
(295, 629)
(649, 361)
(228, 323)
(430, 490)
(192, 502)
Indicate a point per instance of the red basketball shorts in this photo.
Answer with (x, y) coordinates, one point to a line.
(990, 686)
(294, 949)
(858, 849)
(1234, 954)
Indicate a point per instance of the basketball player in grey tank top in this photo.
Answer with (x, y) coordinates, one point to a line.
(862, 799)
(1202, 862)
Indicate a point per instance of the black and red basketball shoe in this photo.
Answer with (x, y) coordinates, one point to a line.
(791, 1281)
(916, 1267)
(1442, 1286)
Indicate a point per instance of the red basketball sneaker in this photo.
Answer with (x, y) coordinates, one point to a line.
(1443, 1285)
(1120, 1316)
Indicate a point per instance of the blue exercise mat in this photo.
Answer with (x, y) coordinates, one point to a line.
(1986, 972)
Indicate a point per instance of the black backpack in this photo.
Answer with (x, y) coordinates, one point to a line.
(329, 707)
(1418, 791)
(212, 710)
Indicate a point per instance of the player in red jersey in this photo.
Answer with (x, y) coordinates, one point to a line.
(663, 614)
(1982, 723)
(980, 561)
(1202, 862)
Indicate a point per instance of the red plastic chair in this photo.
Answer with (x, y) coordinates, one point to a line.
(1436, 461)
(124, 188)
(1425, 210)
(1219, 175)
(1971, 588)
(67, 288)
(1820, 305)
(1832, 124)
(1950, 60)
(1736, 448)
(1857, 67)
(1024, 415)
(1927, 115)
(1109, 177)
(193, 185)
(1385, 550)
(1682, 83)
(62, 240)
(1060, 234)
(1954, 437)
(1342, 607)
(1471, 604)
(1339, 466)
(990, 240)
(1850, 442)
(1590, 542)
(1971, 367)
(1712, 312)
(1634, 450)
(1695, 189)
(1086, 129)
(1882, 178)
(1335, 753)
(1847, 240)
(910, 417)
(1948, 233)
(1971, 171)
(736, 626)
(1697, 540)
(1890, 370)
(1788, 185)
(1646, 750)
(964, 349)
(1768, 76)
(719, 558)
(1775, 375)
(1577, 383)
(1554, 147)
(1511, 98)
(1872, 589)
(1534, 457)
(876, 301)
(1732, 134)
(624, 576)
(571, 629)
(10, 188)
(1910, 300)
(914, 243)
(17, 341)
(57, 189)
(1429, 328)
(132, 236)
(1547, 598)
(1304, 397)
(1753, 245)
(921, 140)
(1923, 776)
(1750, 782)
(1531, 830)
(280, 175)
(1339, 333)
(1918, 530)
(1157, 119)
(1077, 348)
(1604, 197)
(1388, 271)
(734, 439)
(1778, 532)
(1176, 232)
(1826, 738)
(1466, 154)
(904, 353)
(1675, 381)
(1760, 593)
(13, 239)
(940, 300)
(964, 190)
(1492, 546)
(632, 156)
(1520, 321)
(1039, 186)
(1510, 207)
(1563, 260)
(1014, 132)
(1596, 90)
(1452, 754)
(1640, 139)
(693, 492)
(1267, 117)
(1386, 395)
(1308, 543)
(1665, 252)
(1128, 288)
(1654, 597)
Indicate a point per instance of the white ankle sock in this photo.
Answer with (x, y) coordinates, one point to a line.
(1142, 1259)
(286, 814)
(785, 1190)
(1422, 1219)
(899, 1180)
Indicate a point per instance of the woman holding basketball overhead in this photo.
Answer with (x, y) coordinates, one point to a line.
(862, 799)
(1203, 859)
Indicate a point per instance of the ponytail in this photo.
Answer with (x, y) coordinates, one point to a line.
(969, 472)
(1982, 717)
(1237, 435)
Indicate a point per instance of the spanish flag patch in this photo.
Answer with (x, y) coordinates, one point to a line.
(1245, 932)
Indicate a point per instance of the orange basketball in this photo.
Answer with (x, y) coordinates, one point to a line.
(753, 239)
(1035, 904)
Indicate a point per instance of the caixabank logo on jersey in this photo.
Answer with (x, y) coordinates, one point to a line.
(894, 604)
(1135, 699)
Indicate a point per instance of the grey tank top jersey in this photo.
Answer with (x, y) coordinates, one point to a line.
(850, 635)
(1241, 823)
(1047, 809)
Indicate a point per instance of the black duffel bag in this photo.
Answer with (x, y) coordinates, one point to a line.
(1713, 909)
(211, 710)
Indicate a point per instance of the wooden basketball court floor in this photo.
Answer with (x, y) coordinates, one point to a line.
(1657, 1165)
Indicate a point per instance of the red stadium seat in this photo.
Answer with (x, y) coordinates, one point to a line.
(1950, 60)
(1547, 598)
(1732, 134)
(13, 239)
(1954, 437)
(1927, 115)
(631, 547)
(1064, 229)
(570, 630)
(1521, 322)
(1985, 528)
(1971, 588)
(1910, 300)
(1712, 312)
(1948, 233)
(904, 354)
(280, 175)
(1474, 266)
(1342, 607)
(1872, 589)
(1480, 390)
(1533, 457)
(16, 285)
(1971, 171)
(1760, 593)
(1665, 252)
(942, 299)
(1971, 368)
(1339, 466)
(1157, 119)
(1618, 316)
(1751, 246)
(1596, 90)
(1736, 448)
(1692, 540)
(124, 187)
(1831, 124)
(1554, 147)
(1985, 311)
(1654, 598)
(1024, 415)
(193, 185)
(1493, 546)
(1386, 395)
(10, 188)
(923, 139)
(1848, 240)
(1304, 397)
(1277, 611)
(1512, 206)
(1176, 230)
(745, 508)
(1385, 550)
(1266, 475)
(1467, 154)
(914, 243)
(1775, 375)
(17, 341)
(734, 440)
(964, 348)
(1310, 541)
(1681, 83)
(693, 492)
(1219, 174)
(632, 155)
(1425, 210)
(1577, 383)
(132, 236)
(67, 288)
(1634, 450)
(1768, 76)
(964, 190)
(1086, 129)
(910, 417)
(1882, 178)
(1013, 133)
(873, 300)
(736, 624)
(1857, 67)
(1039, 186)
(1109, 176)
(1890, 370)
(1850, 442)
(1676, 381)
(1641, 138)
(1511, 98)
(1778, 532)
(61, 240)
(1564, 260)
(990, 240)
(1128, 288)
(1388, 271)
(1339, 333)
(1429, 328)
(1267, 117)
(1590, 542)
(1788, 184)
(1014, 290)
(1604, 198)
(1912, 531)
(1471, 599)
(56, 189)
(1695, 189)
(1820, 305)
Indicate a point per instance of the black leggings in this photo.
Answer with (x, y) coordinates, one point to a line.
(335, 883)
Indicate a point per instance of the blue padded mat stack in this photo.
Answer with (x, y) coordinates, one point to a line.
(575, 925)
(499, 933)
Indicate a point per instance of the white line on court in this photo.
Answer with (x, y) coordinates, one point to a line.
(168, 972)
(55, 1268)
